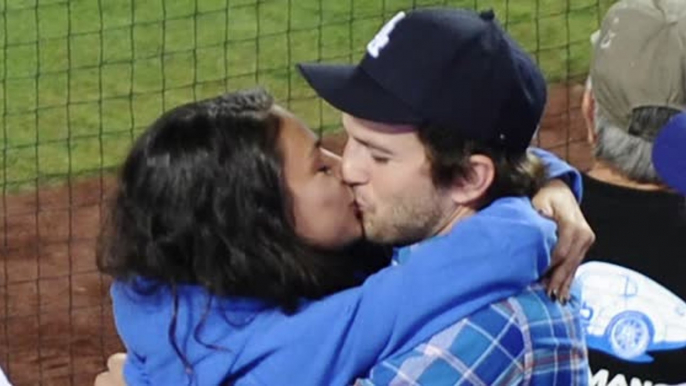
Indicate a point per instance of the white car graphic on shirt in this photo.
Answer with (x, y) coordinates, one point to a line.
(628, 314)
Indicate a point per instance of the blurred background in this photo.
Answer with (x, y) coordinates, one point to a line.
(80, 79)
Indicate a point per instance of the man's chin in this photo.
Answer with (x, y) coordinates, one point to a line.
(389, 236)
(377, 235)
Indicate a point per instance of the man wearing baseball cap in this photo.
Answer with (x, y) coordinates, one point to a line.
(439, 114)
(633, 285)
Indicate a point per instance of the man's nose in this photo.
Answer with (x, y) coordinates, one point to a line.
(352, 170)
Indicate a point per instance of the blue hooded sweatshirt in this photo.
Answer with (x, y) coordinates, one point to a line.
(484, 258)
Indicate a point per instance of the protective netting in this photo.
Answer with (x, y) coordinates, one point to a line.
(80, 79)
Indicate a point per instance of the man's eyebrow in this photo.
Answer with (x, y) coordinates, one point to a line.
(374, 146)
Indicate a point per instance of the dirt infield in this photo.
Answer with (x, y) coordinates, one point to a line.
(56, 324)
(55, 316)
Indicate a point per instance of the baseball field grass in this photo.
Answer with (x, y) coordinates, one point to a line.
(80, 79)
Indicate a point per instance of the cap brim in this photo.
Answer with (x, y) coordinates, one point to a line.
(351, 90)
(668, 153)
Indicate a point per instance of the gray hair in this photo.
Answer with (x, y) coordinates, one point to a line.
(631, 155)
(630, 150)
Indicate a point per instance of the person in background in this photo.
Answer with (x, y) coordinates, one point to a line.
(634, 292)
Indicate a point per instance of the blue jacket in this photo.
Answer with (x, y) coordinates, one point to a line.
(485, 258)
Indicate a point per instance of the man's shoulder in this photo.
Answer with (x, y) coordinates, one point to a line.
(485, 348)
(528, 319)
(543, 320)
(533, 305)
(499, 344)
(480, 349)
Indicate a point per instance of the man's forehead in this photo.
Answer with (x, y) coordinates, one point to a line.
(397, 139)
(362, 125)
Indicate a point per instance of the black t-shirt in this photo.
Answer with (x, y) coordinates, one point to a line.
(634, 285)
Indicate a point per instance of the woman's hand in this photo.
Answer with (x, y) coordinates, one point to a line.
(114, 376)
(557, 202)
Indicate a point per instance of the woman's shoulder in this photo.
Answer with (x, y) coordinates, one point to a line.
(143, 314)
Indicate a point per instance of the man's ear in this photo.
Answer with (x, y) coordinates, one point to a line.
(588, 112)
(473, 187)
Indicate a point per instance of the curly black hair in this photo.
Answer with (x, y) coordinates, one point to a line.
(201, 200)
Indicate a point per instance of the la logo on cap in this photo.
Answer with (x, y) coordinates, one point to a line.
(382, 37)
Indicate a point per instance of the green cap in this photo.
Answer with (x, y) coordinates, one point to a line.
(640, 58)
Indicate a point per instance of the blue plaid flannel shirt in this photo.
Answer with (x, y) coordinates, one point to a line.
(523, 340)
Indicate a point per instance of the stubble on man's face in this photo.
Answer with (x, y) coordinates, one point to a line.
(405, 218)
(390, 173)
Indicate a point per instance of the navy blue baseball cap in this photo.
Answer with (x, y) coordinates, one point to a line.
(452, 68)
(669, 153)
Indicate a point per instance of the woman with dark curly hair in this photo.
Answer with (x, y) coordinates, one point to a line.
(229, 220)
(216, 193)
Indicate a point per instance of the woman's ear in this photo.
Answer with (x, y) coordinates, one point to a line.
(473, 187)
